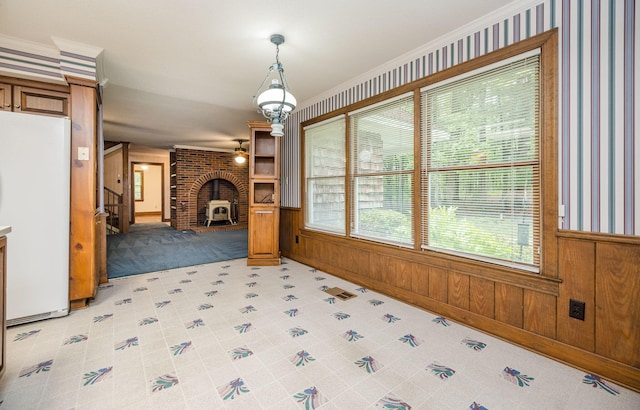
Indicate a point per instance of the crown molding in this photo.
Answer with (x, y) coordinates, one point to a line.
(77, 48)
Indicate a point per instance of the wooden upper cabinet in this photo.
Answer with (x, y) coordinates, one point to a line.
(34, 98)
(38, 101)
(5, 97)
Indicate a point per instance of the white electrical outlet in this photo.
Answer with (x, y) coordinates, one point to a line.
(83, 153)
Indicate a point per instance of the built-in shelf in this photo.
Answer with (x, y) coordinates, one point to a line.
(264, 196)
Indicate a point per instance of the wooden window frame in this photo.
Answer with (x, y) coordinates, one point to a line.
(547, 42)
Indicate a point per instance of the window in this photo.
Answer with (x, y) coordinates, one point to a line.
(381, 148)
(483, 176)
(481, 182)
(325, 167)
(138, 185)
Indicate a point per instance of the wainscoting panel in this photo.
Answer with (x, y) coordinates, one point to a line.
(577, 271)
(481, 297)
(420, 279)
(438, 284)
(540, 313)
(394, 272)
(509, 304)
(617, 302)
(288, 231)
(458, 290)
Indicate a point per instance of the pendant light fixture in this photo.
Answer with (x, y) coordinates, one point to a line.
(276, 102)
(241, 153)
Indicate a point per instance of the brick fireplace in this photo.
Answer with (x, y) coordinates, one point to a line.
(198, 176)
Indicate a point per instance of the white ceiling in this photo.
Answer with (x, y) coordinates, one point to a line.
(185, 72)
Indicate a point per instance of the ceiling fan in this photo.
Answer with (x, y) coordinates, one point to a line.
(241, 153)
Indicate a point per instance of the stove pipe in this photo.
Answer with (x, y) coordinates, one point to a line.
(216, 189)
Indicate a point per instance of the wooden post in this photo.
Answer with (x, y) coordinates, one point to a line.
(83, 277)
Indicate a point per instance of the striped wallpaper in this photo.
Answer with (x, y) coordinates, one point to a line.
(598, 146)
(599, 91)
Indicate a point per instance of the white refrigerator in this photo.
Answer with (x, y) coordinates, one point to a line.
(34, 201)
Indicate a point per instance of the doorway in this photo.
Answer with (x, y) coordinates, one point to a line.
(147, 193)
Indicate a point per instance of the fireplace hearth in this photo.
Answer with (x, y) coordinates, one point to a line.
(209, 191)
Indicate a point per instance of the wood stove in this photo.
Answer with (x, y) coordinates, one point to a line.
(218, 210)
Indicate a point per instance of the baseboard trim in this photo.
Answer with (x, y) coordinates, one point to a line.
(154, 213)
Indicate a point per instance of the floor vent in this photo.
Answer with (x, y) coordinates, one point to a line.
(27, 319)
(340, 293)
(39, 316)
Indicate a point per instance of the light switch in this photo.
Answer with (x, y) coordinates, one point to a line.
(83, 153)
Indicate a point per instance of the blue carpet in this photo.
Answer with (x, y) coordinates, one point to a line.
(152, 247)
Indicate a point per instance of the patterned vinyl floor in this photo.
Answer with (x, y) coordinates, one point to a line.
(228, 336)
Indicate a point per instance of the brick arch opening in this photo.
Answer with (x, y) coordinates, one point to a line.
(191, 169)
(197, 185)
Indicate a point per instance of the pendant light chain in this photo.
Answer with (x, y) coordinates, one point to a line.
(276, 102)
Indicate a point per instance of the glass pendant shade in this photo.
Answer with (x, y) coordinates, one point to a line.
(275, 98)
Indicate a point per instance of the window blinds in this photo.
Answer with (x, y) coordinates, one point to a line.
(381, 158)
(325, 171)
(481, 159)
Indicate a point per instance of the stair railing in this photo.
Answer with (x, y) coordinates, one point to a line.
(114, 207)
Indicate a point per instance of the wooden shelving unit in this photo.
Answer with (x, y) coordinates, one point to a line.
(264, 196)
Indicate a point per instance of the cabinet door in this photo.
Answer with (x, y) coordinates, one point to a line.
(38, 101)
(5, 97)
(263, 234)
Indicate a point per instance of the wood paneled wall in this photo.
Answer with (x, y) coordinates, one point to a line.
(604, 272)
(530, 310)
